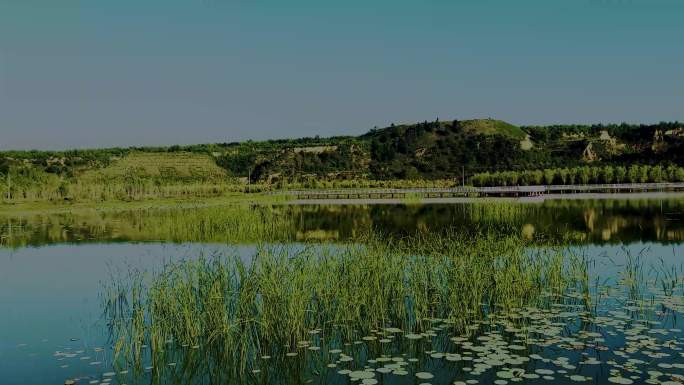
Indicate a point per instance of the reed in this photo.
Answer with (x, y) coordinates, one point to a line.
(233, 309)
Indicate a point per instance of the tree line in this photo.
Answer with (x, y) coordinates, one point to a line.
(581, 175)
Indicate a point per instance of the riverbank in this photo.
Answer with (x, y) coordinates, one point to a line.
(526, 194)
(454, 200)
(158, 203)
(470, 191)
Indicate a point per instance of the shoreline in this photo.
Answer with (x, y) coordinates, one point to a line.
(535, 199)
(281, 198)
(153, 203)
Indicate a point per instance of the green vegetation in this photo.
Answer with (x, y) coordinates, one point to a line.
(581, 175)
(136, 176)
(492, 127)
(182, 166)
(411, 199)
(153, 175)
(424, 154)
(440, 150)
(221, 316)
(454, 150)
(238, 221)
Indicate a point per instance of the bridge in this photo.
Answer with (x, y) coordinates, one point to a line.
(467, 191)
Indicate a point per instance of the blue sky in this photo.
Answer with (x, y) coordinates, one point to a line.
(141, 72)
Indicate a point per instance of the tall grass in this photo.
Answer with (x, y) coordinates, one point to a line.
(233, 309)
(557, 222)
(232, 223)
(238, 223)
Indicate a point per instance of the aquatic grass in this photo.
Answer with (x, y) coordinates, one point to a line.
(234, 309)
(633, 277)
(252, 220)
(668, 277)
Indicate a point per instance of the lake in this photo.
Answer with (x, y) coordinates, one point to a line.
(622, 325)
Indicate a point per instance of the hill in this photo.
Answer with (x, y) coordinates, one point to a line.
(441, 149)
(492, 127)
(184, 166)
(429, 150)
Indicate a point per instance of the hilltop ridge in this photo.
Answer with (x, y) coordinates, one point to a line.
(428, 150)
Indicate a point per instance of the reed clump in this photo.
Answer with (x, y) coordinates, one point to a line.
(231, 309)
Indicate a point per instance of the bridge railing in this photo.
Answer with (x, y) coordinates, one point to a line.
(487, 190)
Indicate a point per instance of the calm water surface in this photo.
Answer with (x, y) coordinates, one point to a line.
(53, 267)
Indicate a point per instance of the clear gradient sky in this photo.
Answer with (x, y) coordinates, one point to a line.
(94, 73)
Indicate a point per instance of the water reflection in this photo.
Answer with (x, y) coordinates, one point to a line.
(566, 221)
(51, 328)
(629, 327)
(626, 331)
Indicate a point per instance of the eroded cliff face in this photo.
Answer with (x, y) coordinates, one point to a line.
(589, 155)
(662, 139)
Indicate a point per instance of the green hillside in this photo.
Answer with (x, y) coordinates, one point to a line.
(479, 149)
(155, 165)
(441, 149)
(493, 127)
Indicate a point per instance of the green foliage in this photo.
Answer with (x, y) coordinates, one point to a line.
(230, 310)
(493, 127)
(486, 151)
(134, 177)
(440, 150)
(582, 175)
(29, 183)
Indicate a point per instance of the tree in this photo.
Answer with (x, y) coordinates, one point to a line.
(402, 147)
(537, 177)
(671, 173)
(594, 175)
(549, 175)
(514, 178)
(633, 174)
(482, 179)
(562, 175)
(526, 178)
(678, 175)
(455, 126)
(656, 174)
(584, 175)
(411, 173)
(643, 173)
(620, 174)
(607, 174)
